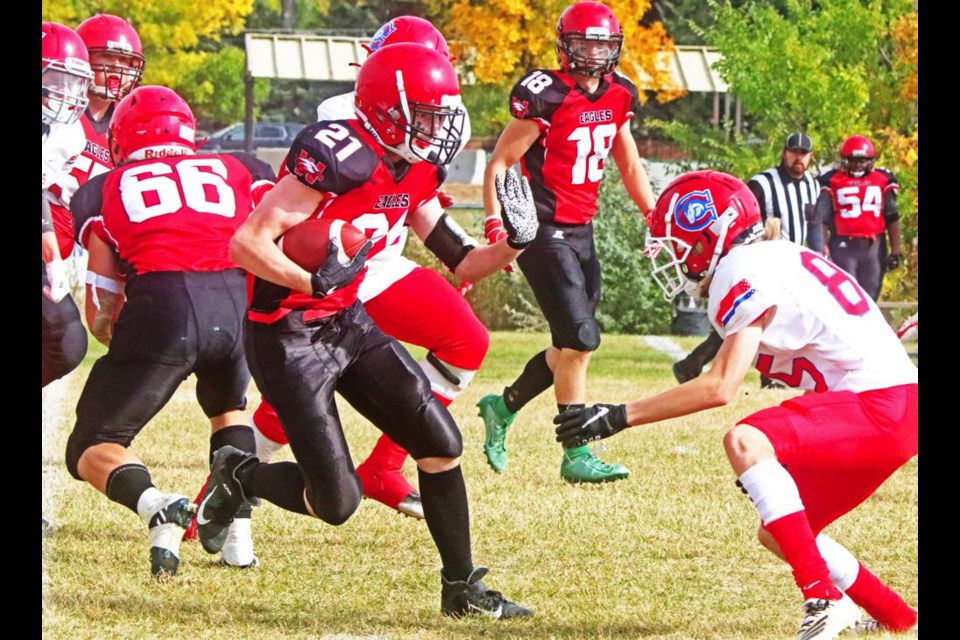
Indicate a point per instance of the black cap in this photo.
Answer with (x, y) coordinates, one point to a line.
(798, 142)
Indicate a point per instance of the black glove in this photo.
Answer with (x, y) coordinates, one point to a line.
(518, 211)
(893, 261)
(580, 426)
(334, 273)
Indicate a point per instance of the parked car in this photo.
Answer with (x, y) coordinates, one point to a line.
(265, 134)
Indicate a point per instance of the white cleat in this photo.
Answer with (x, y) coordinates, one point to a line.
(827, 619)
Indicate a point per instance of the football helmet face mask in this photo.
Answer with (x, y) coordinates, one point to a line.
(409, 29)
(408, 97)
(589, 40)
(152, 122)
(698, 217)
(116, 55)
(857, 155)
(65, 74)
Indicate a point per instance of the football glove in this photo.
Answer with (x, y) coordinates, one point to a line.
(893, 261)
(58, 284)
(580, 426)
(336, 272)
(518, 209)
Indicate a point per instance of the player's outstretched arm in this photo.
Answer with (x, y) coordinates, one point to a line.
(632, 171)
(715, 388)
(516, 139)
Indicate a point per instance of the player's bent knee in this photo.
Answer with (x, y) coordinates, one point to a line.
(335, 505)
(584, 336)
(78, 443)
(440, 437)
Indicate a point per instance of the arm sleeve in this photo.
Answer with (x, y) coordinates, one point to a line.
(46, 216)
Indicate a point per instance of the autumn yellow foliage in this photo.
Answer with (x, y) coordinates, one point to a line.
(499, 40)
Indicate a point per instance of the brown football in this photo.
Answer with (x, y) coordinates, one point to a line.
(306, 243)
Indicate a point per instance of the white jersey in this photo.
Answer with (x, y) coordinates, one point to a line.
(389, 265)
(825, 334)
(60, 147)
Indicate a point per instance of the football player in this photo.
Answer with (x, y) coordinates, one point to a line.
(163, 219)
(409, 302)
(799, 319)
(566, 122)
(858, 207)
(64, 76)
(307, 334)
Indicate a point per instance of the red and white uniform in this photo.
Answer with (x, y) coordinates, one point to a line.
(94, 161)
(858, 203)
(828, 336)
(60, 147)
(132, 206)
(578, 129)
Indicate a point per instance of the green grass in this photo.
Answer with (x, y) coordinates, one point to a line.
(669, 553)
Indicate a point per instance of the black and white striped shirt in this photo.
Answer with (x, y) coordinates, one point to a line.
(788, 198)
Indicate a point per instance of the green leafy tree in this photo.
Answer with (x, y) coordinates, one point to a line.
(182, 42)
(831, 68)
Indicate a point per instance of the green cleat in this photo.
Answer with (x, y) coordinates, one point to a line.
(580, 465)
(496, 420)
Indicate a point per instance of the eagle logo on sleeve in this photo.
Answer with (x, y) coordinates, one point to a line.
(519, 107)
(309, 169)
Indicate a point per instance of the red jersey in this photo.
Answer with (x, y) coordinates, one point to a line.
(565, 164)
(859, 204)
(171, 214)
(345, 163)
(94, 160)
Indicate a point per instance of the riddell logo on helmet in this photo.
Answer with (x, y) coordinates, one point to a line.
(118, 45)
(163, 152)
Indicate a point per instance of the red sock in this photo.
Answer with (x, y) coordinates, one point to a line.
(880, 601)
(265, 417)
(387, 455)
(799, 546)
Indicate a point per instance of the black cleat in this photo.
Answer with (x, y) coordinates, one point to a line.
(471, 596)
(222, 498)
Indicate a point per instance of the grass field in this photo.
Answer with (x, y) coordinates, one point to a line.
(669, 553)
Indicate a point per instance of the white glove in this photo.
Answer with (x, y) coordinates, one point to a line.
(58, 285)
(518, 209)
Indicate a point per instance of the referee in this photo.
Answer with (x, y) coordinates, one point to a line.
(789, 193)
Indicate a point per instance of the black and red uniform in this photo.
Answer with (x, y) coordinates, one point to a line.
(857, 212)
(565, 167)
(301, 349)
(170, 221)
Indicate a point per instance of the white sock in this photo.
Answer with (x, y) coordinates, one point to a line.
(772, 489)
(148, 503)
(266, 448)
(843, 567)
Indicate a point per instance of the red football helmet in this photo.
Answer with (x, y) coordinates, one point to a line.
(152, 122)
(116, 55)
(408, 97)
(409, 29)
(589, 39)
(698, 217)
(857, 155)
(64, 74)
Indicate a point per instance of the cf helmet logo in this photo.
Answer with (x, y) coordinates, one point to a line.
(695, 211)
(381, 35)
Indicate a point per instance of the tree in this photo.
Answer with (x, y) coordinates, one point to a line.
(182, 45)
(831, 68)
(499, 40)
